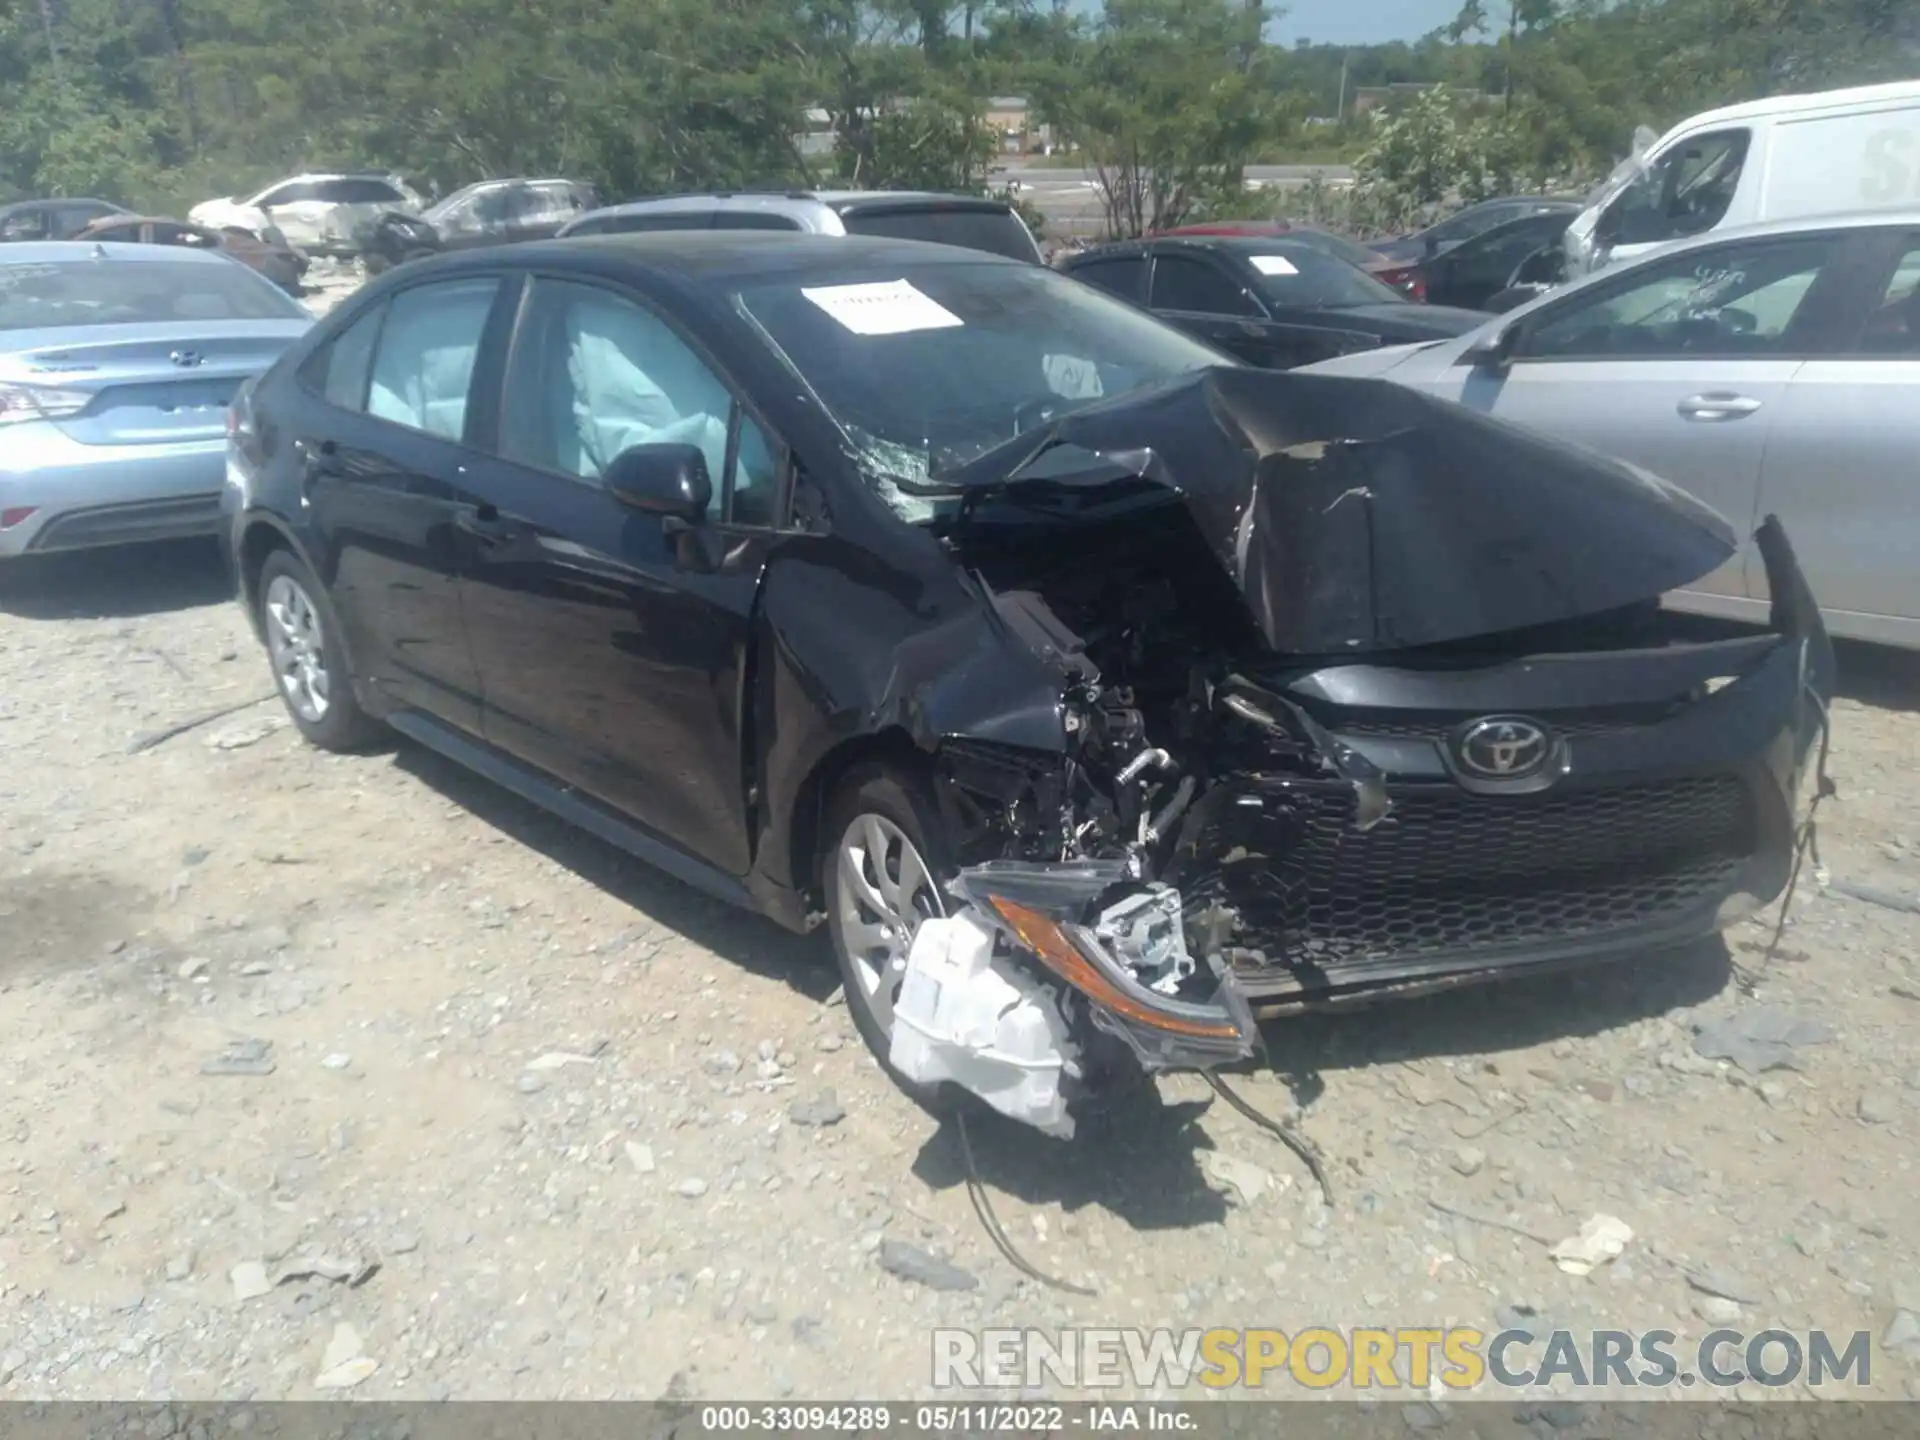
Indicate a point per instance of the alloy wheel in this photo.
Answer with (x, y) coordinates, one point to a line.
(297, 646)
(883, 890)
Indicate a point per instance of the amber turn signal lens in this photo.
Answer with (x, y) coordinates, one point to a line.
(1045, 939)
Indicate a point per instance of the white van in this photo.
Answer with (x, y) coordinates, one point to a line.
(1778, 159)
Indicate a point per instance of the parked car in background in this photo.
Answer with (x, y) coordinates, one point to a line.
(51, 219)
(496, 212)
(1472, 272)
(1277, 302)
(281, 263)
(888, 583)
(117, 363)
(318, 213)
(492, 212)
(1340, 246)
(969, 221)
(1464, 224)
(1770, 369)
(1784, 158)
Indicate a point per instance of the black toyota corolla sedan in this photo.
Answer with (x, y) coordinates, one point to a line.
(1275, 301)
(877, 584)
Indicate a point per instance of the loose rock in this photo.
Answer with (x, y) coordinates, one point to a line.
(910, 1262)
(1879, 1107)
(824, 1109)
(1247, 1181)
(243, 1057)
(250, 1281)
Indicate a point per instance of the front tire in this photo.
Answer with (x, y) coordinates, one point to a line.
(309, 663)
(884, 864)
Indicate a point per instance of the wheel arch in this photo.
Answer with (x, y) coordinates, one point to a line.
(265, 533)
(805, 842)
(262, 536)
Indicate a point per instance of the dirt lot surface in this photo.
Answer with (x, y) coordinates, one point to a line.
(297, 1042)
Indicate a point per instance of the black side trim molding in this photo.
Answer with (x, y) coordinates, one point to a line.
(535, 786)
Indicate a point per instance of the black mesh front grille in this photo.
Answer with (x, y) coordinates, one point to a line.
(1448, 871)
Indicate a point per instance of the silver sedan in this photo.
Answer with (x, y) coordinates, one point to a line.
(1773, 369)
(116, 366)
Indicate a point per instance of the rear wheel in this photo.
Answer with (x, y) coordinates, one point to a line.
(882, 870)
(309, 664)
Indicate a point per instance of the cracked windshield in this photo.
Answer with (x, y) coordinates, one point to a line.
(913, 717)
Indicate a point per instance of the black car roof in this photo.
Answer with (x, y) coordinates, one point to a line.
(710, 258)
(1239, 244)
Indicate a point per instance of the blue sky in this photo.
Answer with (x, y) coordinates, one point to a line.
(1349, 22)
(1361, 22)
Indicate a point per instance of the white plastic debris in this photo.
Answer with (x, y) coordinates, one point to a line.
(1601, 1238)
(1246, 1180)
(980, 1022)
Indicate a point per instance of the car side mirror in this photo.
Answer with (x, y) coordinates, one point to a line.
(1495, 352)
(1429, 248)
(670, 481)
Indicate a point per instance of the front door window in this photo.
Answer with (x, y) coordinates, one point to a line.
(1687, 191)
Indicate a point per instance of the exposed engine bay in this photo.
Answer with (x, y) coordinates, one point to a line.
(1240, 781)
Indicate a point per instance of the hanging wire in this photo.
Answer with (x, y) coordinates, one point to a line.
(1286, 1134)
(1806, 844)
(983, 1207)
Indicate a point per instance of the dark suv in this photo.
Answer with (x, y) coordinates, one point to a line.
(971, 221)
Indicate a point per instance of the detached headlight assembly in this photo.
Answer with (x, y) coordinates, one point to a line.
(1055, 914)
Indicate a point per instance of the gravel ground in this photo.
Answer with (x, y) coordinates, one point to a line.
(299, 1042)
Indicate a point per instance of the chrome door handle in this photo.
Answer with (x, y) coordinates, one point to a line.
(1719, 405)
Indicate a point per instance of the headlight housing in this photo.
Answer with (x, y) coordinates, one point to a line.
(1058, 914)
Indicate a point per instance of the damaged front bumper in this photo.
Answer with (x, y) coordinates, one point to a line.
(1665, 810)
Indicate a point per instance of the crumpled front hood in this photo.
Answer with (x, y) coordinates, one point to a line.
(1356, 515)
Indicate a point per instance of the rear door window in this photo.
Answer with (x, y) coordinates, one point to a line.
(33, 223)
(1893, 325)
(634, 224)
(997, 230)
(1188, 283)
(1122, 275)
(72, 219)
(292, 193)
(357, 192)
(423, 363)
(753, 220)
(340, 369)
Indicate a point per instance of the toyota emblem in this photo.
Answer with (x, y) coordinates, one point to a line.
(1503, 747)
(185, 359)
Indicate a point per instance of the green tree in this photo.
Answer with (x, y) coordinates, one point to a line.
(1168, 100)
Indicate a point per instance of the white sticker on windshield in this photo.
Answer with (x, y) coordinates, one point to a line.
(1274, 265)
(886, 307)
(1073, 377)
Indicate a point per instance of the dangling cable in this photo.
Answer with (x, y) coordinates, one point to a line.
(983, 1207)
(1806, 843)
(1286, 1134)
